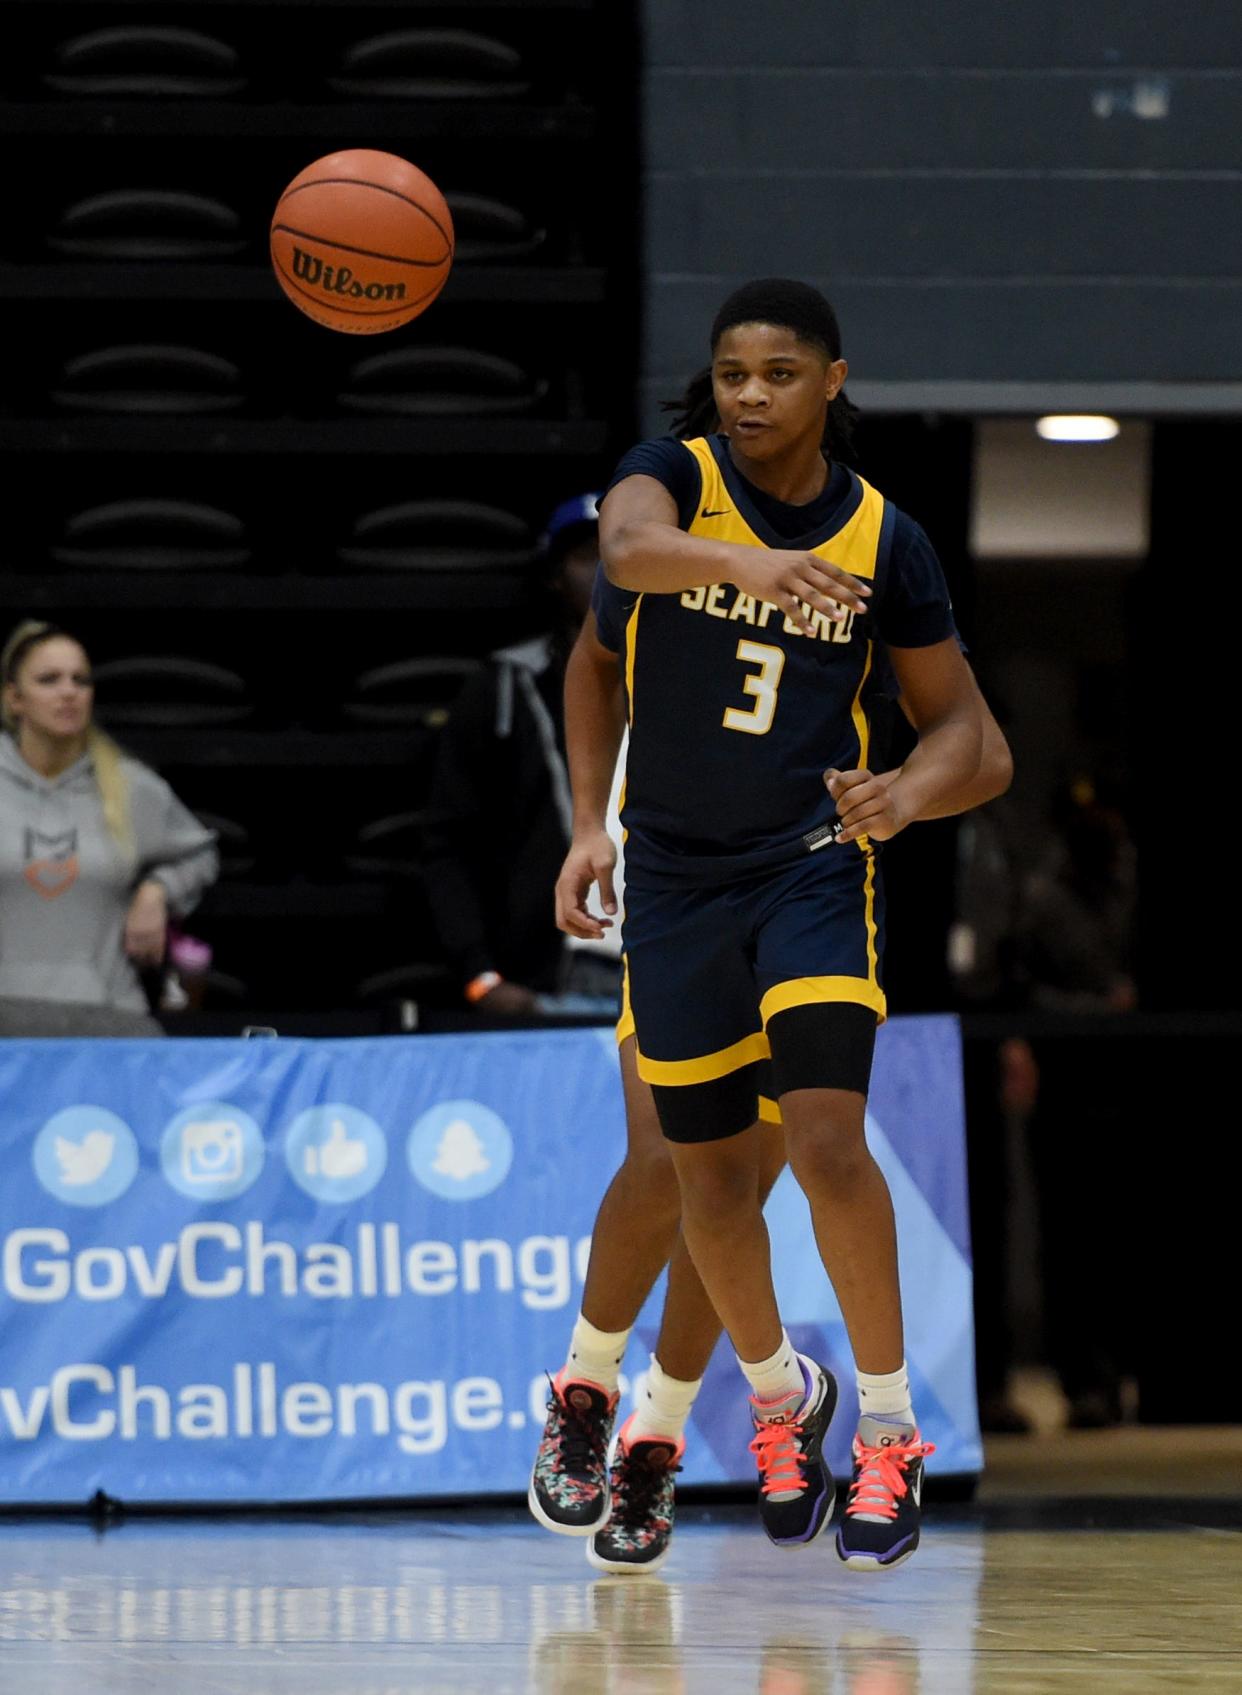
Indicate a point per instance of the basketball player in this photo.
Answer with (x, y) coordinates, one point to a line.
(756, 922)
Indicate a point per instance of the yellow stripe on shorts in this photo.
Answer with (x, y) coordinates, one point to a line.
(707, 1067)
(818, 991)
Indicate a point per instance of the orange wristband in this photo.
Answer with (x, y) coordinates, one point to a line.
(482, 985)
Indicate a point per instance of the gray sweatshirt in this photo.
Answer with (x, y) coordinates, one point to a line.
(66, 886)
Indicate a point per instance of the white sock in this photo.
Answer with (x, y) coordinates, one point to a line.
(596, 1354)
(886, 1398)
(664, 1405)
(778, 1377)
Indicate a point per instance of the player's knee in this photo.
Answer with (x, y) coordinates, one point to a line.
(771, 1164)
(714, 1197)
(828, 1151)
(649, 1169)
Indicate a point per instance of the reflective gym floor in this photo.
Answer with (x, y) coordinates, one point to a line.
(1043, 1584)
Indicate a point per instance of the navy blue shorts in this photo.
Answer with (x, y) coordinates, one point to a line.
(741, 993)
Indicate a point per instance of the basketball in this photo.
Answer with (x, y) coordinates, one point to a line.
(362, 241)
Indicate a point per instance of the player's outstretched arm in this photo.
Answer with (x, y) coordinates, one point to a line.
(594, 725)
(644, 550)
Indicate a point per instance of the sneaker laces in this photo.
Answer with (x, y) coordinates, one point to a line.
(581, 1435)
(634, 1487)
(882, 1480)
(778, 1455)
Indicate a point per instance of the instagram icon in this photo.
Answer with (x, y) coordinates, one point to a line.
(212, 1151)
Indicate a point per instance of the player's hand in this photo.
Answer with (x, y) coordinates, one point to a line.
(509, 1000)
(591, 859)
(793, 581)
(866, 805)
(146, 924)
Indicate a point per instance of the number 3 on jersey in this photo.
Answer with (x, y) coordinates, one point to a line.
(757, 720)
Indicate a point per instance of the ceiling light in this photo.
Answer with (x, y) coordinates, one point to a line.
(1077, 426)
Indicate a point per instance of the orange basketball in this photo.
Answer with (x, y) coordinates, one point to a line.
(362, 241)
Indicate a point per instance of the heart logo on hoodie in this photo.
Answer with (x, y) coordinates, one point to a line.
(51, 862)
(51, 877)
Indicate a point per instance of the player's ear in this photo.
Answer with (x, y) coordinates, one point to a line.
(834, 378)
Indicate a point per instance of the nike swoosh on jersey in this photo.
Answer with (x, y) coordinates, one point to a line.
(723, 512)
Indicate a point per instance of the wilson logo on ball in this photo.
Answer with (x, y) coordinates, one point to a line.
(339, 279)
(362, 241)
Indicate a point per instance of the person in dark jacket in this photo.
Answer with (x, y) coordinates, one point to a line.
(499, 819)
(1075, 948)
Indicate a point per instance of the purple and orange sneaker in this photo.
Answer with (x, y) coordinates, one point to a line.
(569, 1483)
(797, 1493)
(640, 1525)
(880, 1527)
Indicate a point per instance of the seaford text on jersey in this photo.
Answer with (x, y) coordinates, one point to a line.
(744, 609)
(214, 1261)
(339, 279)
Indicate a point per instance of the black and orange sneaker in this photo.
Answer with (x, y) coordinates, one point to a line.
(640, 1523)
(796, 1492)
(880, 1528)
(569, 1483)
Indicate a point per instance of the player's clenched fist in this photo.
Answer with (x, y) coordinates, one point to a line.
(866, 805)
(591, 859)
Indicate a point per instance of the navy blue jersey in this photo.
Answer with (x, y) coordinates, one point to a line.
(734, 713)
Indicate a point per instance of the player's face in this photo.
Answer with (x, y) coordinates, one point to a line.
(772, 390)
(52, 692)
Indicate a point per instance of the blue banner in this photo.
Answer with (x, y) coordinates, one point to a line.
(327, 1270)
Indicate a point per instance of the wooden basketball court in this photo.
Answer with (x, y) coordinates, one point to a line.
(1087, 1585)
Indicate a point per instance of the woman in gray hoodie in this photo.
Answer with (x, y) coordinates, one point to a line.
(96, 853)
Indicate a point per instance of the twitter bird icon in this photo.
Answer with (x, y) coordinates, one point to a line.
(86, 1156)
(84, 1161)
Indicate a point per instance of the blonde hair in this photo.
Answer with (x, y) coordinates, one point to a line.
(110, 776)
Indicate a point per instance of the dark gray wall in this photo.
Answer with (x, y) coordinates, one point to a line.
(1013, 206)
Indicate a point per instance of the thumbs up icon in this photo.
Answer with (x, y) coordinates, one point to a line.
(335, 1152)
(338, 1157)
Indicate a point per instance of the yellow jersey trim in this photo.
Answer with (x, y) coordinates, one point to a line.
(818, 991)
(862, 724)
(675, 1073)
(869, 917)
(625, 1024)
(769, 1111)
(631, 637)
(862, 728)
(854, 547)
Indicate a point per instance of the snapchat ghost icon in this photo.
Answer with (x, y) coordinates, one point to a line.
(460, 1150)
(460, 1154)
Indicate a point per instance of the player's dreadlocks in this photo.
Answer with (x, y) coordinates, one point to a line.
(793, 306)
